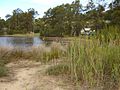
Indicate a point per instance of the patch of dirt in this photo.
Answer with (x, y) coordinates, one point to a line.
(29, 75)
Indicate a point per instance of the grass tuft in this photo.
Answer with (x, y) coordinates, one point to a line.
(59, 69)
(3, 71)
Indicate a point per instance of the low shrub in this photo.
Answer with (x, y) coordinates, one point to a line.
(59, 69)
(3, 71)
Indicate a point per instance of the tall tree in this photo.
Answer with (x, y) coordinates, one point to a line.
(21, 22)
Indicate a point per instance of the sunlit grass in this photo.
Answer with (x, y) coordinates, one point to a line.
(41, 53)
(94, 61)
(23, 35)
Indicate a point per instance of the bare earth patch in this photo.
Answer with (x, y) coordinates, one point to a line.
(29, 75)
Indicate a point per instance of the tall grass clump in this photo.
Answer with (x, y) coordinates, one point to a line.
(57, 50)
(109, 35)
(5, 54)
(60, 69)
(93, 62)
(96, 63)
(3, 69)
(3, 61)
(41, 53)
(45, 53)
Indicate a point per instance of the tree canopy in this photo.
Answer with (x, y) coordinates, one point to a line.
(64, 20)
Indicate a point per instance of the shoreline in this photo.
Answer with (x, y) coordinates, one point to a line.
(21, 35)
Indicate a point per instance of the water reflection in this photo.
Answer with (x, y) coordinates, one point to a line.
(20, 41)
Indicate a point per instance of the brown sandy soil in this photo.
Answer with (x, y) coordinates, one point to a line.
(29, 75)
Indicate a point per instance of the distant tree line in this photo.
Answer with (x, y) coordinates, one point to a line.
(66, 19)
(19, 22)
(69, 19)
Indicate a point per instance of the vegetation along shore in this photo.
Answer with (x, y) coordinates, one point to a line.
(83, 53)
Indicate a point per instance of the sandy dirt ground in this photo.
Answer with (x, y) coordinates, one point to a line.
(29, 75)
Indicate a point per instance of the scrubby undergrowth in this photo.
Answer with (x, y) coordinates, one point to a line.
(94, 62)
(41, 53)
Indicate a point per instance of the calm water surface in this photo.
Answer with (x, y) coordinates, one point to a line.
(20, 41)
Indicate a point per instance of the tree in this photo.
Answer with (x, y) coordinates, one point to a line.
(21, 22)
(113, 14)
(66, 19)
(2, 25)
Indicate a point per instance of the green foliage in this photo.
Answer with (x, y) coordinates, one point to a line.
(63, 20)
(3, 71)
(20, 22)
(41, 53)
(109, 35)
(2, 25)
(93, 63)
(69, 19)
(59, 69)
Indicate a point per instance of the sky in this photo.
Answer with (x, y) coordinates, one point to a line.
(7, 6)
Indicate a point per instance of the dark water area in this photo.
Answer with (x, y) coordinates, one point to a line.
(21, 42)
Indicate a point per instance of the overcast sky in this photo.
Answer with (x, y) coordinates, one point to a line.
(7, 6)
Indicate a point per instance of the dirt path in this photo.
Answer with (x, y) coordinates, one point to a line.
(28, 75)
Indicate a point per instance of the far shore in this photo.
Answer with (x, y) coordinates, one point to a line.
(21, 35)
(64, 39)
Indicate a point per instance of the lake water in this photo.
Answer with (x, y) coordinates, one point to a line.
(20, 41)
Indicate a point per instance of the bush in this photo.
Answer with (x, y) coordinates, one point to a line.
(3, 71)
(58, 69)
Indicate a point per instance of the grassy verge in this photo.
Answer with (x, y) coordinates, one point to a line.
(59, 69)
(3, 69)
(91, 64)
(94, 62)
(22, 35)
(41, 53)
